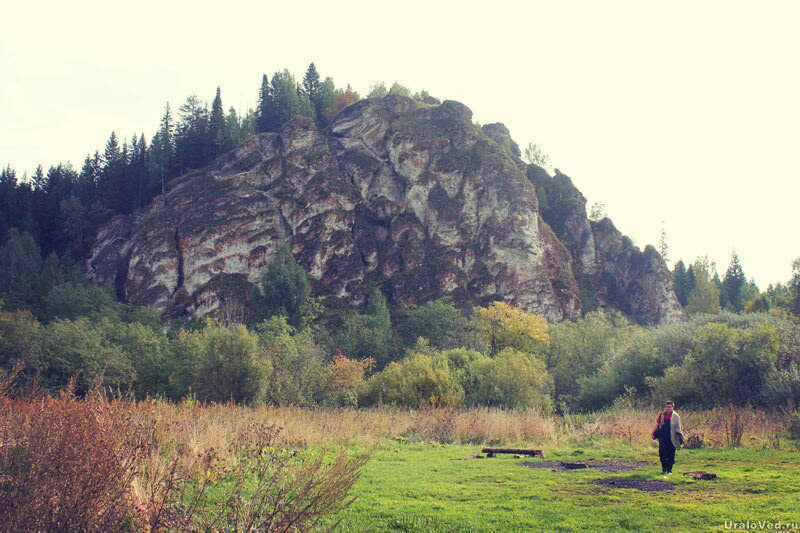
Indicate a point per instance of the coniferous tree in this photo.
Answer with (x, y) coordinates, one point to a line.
(680, 282)
(191, 138)
(216, 127)
(162, 153)
(733, 283)
(311, 83)
(266, 114)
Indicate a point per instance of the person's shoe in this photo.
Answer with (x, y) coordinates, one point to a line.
(663, 471)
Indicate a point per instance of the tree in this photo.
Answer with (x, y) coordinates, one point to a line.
(579, 349)
(74, 222)
(342, 99)
(399, 88)
(704, 296)
(680, 282)
(663, 249)
(288, 100)
(267, 118)
(534, 155)
(216, 127)
(52, 274)
(286, 290)
(191, 138)
(162, 150)
(296, 371)
(794, 288)
(230, 365)
(733, 283)
(377, 90)
(437, 320)
(368, 336)
(311, 83)
(598, 212)
(505, 326)
(20, 264)
(418, 381)
(512, 379)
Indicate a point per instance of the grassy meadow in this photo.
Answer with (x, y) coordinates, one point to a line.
(160, 466)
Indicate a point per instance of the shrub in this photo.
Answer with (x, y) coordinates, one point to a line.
(295, 363)
(67, 465)
(230, 365)
(417, 381)
(512, 379)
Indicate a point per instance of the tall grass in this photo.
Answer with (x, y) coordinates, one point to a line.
(104, 464)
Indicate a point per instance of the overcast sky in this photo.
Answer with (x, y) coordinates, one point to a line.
(681, 112)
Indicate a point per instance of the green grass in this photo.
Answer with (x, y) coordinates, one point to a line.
(422, 487)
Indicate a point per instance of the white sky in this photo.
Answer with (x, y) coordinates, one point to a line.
(682, 112)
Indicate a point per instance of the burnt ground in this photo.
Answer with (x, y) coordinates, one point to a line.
(609, 466)
(634, 484)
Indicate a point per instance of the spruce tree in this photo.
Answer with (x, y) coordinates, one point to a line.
(266, 113)
(216, 127)
(311, 83)
(680, 282)
(732, 284)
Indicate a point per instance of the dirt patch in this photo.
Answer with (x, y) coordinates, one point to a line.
(634, 484)
(611, 466)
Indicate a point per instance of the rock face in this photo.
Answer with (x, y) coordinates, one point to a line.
(406, 195)
(610, 270)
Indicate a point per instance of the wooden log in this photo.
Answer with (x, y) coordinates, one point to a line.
(516, 451)
(573, 466)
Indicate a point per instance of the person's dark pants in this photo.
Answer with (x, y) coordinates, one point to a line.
(666, 452)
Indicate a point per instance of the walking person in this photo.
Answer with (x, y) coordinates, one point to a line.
(669, 432)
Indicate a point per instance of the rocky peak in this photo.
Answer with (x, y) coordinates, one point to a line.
(408, 195)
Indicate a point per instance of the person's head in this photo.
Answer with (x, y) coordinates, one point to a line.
(669, 406)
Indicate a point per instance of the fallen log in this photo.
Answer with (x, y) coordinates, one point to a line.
(516, 451)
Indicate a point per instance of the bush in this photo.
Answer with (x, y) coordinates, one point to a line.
(67, 465)
(725, 365)
(230, 365)
(417, 381)
(511, 379)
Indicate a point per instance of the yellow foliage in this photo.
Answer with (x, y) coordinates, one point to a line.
(504, 326)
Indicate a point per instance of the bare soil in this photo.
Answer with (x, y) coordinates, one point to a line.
(611, 466)
(634, 484)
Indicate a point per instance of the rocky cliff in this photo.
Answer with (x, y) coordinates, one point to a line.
(406, 195)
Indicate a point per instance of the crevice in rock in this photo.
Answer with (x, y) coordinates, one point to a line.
(122, 276)
(179, 284)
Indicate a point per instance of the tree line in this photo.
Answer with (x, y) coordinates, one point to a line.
(62, 207)
(293, 350)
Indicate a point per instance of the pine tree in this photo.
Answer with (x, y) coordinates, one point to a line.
(733, 283)
(216, 126)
